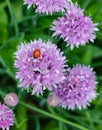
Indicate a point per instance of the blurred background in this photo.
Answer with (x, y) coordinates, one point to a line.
(18, 24)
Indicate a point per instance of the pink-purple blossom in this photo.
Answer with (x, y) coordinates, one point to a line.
(6, 117)
(75, 28)
(40, 65)
(78, 89)
(47, 6)
(53, 100)
(11, 99)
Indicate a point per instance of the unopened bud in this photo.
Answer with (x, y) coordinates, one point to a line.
(53, 100)
(11, 99)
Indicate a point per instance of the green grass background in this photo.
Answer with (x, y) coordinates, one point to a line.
(18, 24)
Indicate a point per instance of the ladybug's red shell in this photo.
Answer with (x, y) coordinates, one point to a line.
(36, 53)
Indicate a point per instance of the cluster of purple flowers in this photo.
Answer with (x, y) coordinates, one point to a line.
(41, 72)
(78, 89)
(75, 28)
(47, 6)
(6, 114)
(41, 65)
(6, 117)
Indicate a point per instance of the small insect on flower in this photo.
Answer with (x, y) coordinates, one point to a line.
(40, 65)
(36, 53)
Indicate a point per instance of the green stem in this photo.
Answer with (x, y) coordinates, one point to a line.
(53, 116)
(87, 2)
(51, 110)
(2, 93)
(6, 69)
(37, 124)
(87, 57)
(21, 116)
(60, 125)
(13, 18)
(90, 120)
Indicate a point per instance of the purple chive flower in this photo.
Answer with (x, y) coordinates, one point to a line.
(29, 2)
(47, 6)
(40, 64)
(78, 89)
(6, 117)
(75, 28)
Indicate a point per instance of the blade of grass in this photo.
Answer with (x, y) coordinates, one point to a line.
(88, 115)
(86, 4)
(53, 116)
(13, 17)
(60, 125)
(51, 110)
(37, 124)
(6, 69)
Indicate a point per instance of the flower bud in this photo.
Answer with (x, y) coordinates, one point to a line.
(11, 99)
(53, 100)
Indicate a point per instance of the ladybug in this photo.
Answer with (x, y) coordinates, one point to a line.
(36, 53)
